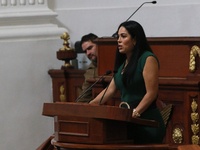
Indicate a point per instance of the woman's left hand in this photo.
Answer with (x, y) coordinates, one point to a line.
(135, 113)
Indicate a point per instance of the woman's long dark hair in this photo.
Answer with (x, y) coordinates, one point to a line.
(136, 31)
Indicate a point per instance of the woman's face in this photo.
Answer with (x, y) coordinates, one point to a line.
(125, 41)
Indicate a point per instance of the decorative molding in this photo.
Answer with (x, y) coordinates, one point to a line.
(40, 1)
(62, 95)
(23, 10)
(177, 136)
(22, 2)
(193, 53)
(13, 2)
(31, 32)
(27, 19)
(17, 3)
(31, 2)
(195, 126)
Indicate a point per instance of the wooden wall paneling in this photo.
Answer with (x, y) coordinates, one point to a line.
(179, 93)
(174, 60)
(173, 54)
(74, 80)
(70, 79)
(58, 79)
(106, 54)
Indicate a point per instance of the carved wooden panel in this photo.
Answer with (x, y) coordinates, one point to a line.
(70, 80)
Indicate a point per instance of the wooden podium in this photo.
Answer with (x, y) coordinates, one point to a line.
(92, 124)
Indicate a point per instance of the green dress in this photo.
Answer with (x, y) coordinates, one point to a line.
(133, 94)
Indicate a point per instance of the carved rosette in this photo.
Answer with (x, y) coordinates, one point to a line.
(195, 126)
(62, 96)
(177, 136)
(193, 53)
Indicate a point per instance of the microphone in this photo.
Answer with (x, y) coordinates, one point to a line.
(153, 2)
(114, 72)
(107, 73)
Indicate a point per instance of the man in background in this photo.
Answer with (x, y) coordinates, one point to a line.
(90, 49)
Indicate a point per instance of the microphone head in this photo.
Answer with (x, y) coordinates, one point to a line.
(154, 2)
(108, 72)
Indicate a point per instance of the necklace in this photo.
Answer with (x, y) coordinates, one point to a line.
(124, 66)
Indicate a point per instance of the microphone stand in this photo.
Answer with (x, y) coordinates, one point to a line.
(114, 72)
(153, 2)
(107, 73)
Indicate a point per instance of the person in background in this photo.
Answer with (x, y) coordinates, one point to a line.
(90, 49)
(137, 81)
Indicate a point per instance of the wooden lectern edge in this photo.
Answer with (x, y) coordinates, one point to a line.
(94, 111)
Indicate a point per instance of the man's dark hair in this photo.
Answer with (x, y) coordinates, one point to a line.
(88, 37)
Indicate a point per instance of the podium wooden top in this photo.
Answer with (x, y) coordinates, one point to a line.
(94, 111)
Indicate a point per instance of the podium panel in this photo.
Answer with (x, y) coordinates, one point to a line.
(89, 130)
(92, 124)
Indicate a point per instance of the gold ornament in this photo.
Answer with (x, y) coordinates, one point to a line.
(194, 117)
(62, 96)
(193, 53)
(65, 36)
(194, 105)
(177, 135)
(195, 139)
(195, 126)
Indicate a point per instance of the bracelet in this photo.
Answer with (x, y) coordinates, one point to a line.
(136, 113)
